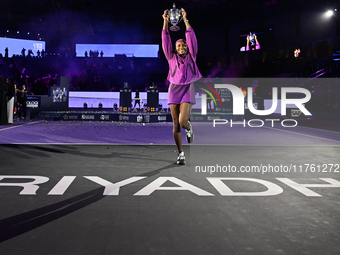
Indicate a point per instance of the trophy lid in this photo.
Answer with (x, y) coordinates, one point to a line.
(174, 7)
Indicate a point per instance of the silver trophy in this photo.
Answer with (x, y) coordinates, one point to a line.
(175, 17)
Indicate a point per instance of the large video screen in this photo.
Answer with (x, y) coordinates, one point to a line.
(15, 46)
(110, 50)
(256, 38)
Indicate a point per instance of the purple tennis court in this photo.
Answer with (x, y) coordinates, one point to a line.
(114, 188)
(91, 158)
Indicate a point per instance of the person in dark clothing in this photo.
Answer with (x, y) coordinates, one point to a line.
(15, 101)
(23, 52)
(10, 99)
(22, 102)
(137, 99)
(3, 102)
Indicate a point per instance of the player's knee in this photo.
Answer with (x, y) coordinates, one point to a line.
(183, 123)
(176, 125)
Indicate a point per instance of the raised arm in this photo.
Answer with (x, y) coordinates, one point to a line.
(185, 20)
(166, 40)
(247, 46)
(190, 36)
(166, 20)
(257, 46)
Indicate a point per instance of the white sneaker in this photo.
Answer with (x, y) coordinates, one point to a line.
(181, 159)
(190, 134)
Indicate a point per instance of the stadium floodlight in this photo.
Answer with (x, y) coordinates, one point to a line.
(329, 14)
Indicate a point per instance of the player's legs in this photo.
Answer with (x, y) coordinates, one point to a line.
(185, 110)
(175, 114)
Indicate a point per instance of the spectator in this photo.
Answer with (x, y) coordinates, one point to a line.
(3, 102)
(6, 52)
(22, 102)
(23, 52)
(10, 99)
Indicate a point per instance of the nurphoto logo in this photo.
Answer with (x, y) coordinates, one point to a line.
(238, 99)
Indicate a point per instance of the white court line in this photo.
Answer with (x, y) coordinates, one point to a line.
(332, 140)
(337, 132)
(173, 144)
(91, 143)
(102, 144)
(20, 125)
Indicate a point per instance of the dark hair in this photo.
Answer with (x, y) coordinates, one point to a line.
(180, 40)
(11, 80)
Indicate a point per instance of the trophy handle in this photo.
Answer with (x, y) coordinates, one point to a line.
(180, 16)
